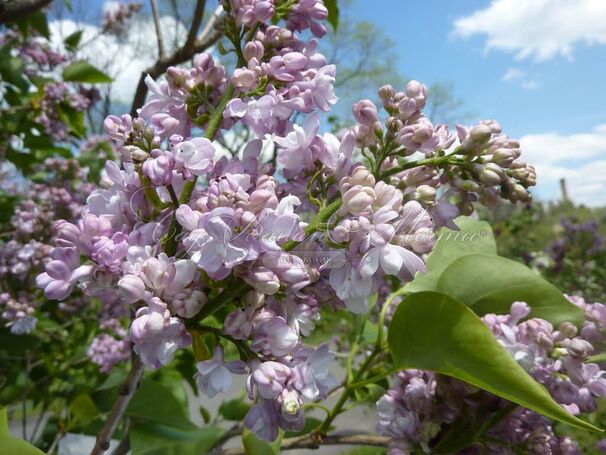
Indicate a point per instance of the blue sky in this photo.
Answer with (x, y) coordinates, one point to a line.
(537, 66)
(567, 95)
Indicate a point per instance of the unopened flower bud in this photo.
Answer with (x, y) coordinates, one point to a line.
(489, 177)
(259, 199)
(386, 92)
(480, 133)
(359, 176)
(394, 124)
(365, 112)
(294, 61)
(291, 404)
(425, 194)
(505, 156)
(254, 299)
(358, 199)
(465, 185)
(244, 78)
(136, 154)
(264, 280)
(388, 195)
(253, 49)
(579, 348)
(568, 329)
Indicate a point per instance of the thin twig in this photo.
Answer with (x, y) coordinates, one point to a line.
(38, 421)
(156, 17)
(123, 447)
(207, 38)
(52, 447)
(234, 431)
(125, 393)
(313, 441)
(195, 23)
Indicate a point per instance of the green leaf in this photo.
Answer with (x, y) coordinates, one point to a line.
(366, 450)
(38, 22)
(155, 403)
(234, 409)
(7, 206)
(156, 439)
(72, 41)
(10, 444)
(598, 358)
(83, 410)
(473, 237)
(115, 378)
(370, 393)
(333, 13)
(11, 71)
(255, 446)
(432, 331)
(73, 118)
(200, 345)
(490, 284)
(311, 423)
(82, 71)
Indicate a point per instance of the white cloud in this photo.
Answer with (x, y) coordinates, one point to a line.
(513, 74)
(110, 6)
(530, 84)
(579, 158)
(518, 76)
(540, 29)
(123, 58)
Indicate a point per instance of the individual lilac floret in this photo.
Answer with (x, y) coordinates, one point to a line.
(312, 377)
(269, 378)
(214, 375)
(156, 335)
(263, 420)
(62, 273)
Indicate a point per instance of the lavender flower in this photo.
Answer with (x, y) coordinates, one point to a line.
(214, 375)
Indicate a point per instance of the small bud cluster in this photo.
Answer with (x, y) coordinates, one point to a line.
(58, 96)
(483, 167)
(116, 17)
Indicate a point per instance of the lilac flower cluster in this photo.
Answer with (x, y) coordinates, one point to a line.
(110, 347)
(581, 240)
(175, 233)
(33, 50)
(420, 404)
(25, 252)
(115, 18)
(58, 96)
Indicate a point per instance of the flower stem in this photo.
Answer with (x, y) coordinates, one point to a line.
(322, 217)
(169, 242)
(336, 410)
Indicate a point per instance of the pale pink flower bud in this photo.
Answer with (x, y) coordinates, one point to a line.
(388, 195)
(260, 199)
(253, 49)
(358, 199)
(386, 93)
(294, 61)
(425, 194)
(244, 78)
(359, 176)
(131, 289)
(365, 112)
